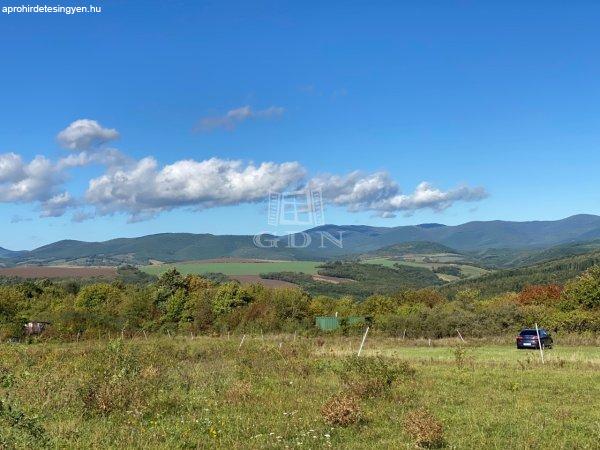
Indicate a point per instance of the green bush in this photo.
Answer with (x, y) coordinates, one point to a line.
(372, 376)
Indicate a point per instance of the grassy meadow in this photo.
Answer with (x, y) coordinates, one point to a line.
(283, 391)
(235, 268)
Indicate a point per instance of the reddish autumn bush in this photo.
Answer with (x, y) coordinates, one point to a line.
(540, 294)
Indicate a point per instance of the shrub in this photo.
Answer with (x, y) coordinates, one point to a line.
(99, 296)
(229, 296)
(341, 410)
(585, 289)
(424, 428)
(369, 377)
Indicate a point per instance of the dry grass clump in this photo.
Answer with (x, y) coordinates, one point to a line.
(238, 392)
(424, 428)
(108, 397)
(341, 410)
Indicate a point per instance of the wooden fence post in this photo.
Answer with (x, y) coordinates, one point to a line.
(537, 331)
(363, 341)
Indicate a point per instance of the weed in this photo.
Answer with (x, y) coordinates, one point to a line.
(461, 356)
(28, 427)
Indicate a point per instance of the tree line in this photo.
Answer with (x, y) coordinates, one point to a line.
(175, 303)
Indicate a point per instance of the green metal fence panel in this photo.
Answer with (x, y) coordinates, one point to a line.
(328, 323)
(331, 323)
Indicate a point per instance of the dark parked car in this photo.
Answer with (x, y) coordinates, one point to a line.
(528, 338)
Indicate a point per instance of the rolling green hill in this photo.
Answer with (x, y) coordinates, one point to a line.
(517, 239)
(506, 258)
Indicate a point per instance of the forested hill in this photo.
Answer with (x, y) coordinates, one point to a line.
(472, 237)
(512, 280)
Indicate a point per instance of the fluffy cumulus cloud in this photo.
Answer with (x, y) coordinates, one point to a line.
(85, 134)
(356, 191)
(31, 181)
(234, 117)
(37, 181)
(147, 189)
(377, 192)
(144, 188)
(40, 180)
(428, 196)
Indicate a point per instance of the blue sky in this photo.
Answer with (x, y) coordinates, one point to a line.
(495, 104)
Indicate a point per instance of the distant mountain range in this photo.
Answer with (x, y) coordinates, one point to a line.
(500, 243)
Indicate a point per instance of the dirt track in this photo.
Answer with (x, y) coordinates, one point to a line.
(332, 280)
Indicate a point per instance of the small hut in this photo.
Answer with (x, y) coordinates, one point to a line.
(33, 328)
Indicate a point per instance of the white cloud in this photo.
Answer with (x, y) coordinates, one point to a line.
(27, 182)
(377, 192)
(428, 196)
(233, 117)
(85, 134)
(146, 189)
(109, 157)
(143, 189)
(39, 181)
(11, 167)
(356, 191)
(57, 205)
(34, 182)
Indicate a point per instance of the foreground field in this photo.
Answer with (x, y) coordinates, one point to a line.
(236, 267)
(269, 393)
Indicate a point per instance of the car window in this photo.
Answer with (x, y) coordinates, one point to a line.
(528, 333)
